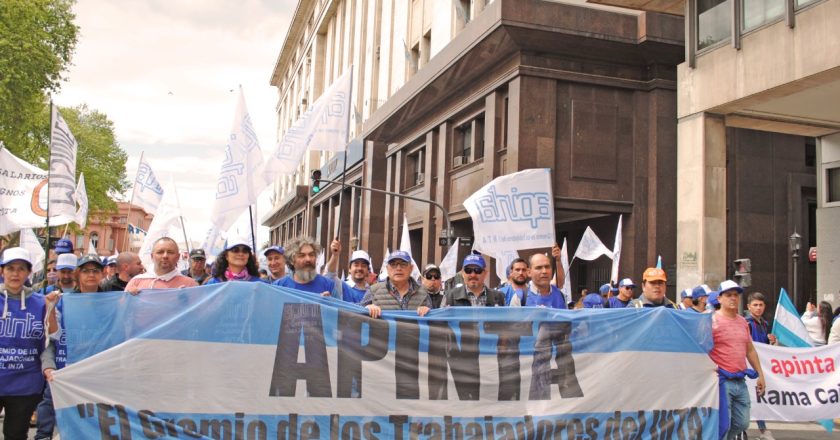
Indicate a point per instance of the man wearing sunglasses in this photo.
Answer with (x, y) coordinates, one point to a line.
(399, 291)
(431, 281)
(473, 293)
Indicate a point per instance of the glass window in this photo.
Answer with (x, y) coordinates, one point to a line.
(760, 12)
(803, 2)
(713, 22)
(832, 177)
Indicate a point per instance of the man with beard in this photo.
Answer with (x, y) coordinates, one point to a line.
(359, 274)
(128, 267)
(516, 291)
(473, 293)
(303, 252)
(275, 256)
(165, 275)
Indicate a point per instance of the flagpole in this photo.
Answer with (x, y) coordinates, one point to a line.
(344, 168)
(251, 225)
(131, 202)
(49, 156)
(184, 229)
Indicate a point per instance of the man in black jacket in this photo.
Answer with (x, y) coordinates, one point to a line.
(128, 266)
(473, 293)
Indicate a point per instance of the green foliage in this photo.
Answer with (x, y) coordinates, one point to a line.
(37, 39)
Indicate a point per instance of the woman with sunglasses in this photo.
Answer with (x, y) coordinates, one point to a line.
(236, 263)
(21, 381)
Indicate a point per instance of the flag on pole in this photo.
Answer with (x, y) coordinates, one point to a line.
(503, 262)
(82, 199)
(564, 263)
(30, 242)
(25, 198)
(62, 180)
(324, 126)
(241, 179)
(659, 262)
(319, 262)
(591, 247)
(787, 326)
(383, 270)
(167, 223)
(147, 192)
(616, 251)
(449, 264)
(405, 245)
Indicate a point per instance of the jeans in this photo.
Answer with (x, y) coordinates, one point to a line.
(46, 416)
(739, 407)
(19, 410)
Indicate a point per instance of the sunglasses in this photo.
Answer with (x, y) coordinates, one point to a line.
(240, 250)
(473, 270)
(431, 276)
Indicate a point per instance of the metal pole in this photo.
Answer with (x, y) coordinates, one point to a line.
(796, 278)
(418, 199)
(251, 225)
(184, 229)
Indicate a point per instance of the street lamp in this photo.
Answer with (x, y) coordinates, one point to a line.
(795, 244)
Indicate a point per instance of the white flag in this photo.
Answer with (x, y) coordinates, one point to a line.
(405, 245)
(591, 247)
(515, 211)
(30, 242)
(324, 127)
(82, 199)
(24, 202)
(167, 223)
(147, 192)
(503, 262)
(449, 264)
(319, 262)
(564, 263)
(241, 179)
(383, 270)
(616, 251)
(214, 243)
(62, 184)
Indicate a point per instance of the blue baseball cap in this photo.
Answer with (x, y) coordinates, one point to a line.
(63, 246)
(605, 289)
(474, 260)
(593, 301)
(700, 291)
(278, 249)
(627, 282)
(713, 299)
(399, 255)
(686, 293)
(730, 285)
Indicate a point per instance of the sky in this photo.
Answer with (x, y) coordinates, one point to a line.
(166, 72)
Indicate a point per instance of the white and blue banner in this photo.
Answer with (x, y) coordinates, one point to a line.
(513, 212)
(62, 176)
(147, 192)
(788, 326)
(23, 195)
(255, 361)
(82, 199)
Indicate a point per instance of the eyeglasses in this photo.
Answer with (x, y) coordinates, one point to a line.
(240, 250)
(431, 276)
(397, 263)
(473, 270)
(90, 271)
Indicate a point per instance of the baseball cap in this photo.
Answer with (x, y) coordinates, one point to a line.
(654, 274)
(111, 261)
(701, 290)
(713, 299)
(593, 301)
(627, 282)
(430, 267)
(360, 255)
(198, 254)
(90, 258)
(730, 285)
(237, 241)
(17, 254)
(63, 246)
(605, 288)
(474, 260)
(686, 293)
(399, 255)
(66, 261)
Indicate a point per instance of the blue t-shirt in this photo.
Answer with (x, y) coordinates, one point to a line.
(21, 344)
(509, 291)
(615, 303)
(554, 300)
(758, 330)
(318, 285)
(353, 295)
(251, 279)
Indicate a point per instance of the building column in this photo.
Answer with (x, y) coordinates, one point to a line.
(828, 217)
(372, 234)
(701, 201)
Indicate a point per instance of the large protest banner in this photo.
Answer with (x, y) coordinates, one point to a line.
(254, 361)
(23, 195)
(803, 384)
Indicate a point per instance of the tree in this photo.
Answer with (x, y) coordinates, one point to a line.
(37, 39)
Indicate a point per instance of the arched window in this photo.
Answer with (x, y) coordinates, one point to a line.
(94, 242)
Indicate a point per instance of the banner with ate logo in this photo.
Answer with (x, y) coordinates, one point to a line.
(803, 384)
(513, 212)
(254, 361)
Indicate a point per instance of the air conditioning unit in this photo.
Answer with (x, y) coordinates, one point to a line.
(420, 178)
(458, 161)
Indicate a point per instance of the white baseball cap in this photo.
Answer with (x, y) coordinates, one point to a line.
(17, 254)
(238, 241)
(66, 261)
(361, 255)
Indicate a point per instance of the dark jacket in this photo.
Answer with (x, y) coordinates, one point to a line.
(113, 284)
(458, 297)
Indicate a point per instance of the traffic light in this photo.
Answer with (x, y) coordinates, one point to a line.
(742, 268)
(316, 181)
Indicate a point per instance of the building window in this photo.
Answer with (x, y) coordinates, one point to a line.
(463, 9)
(714, 19)
(111, 244)
(468, 141)
(832, 185)
(760, 12)
(80, 241)
(415, 167)
(810, 152)
(94, 242)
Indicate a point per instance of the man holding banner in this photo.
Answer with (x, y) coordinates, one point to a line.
(473, 293)
(399, 291)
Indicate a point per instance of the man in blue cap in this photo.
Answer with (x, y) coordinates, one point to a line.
(275, 257)
(399, 291)
(625, 294)
(596, 300)
(699, 295)
(474, 292)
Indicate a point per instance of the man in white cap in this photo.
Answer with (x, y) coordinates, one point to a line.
(685, 299)
(625, 294)
(359, 275)
(165, 274)
(66, 281)
(275, 256)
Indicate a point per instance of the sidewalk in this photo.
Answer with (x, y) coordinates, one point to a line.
(796, 431)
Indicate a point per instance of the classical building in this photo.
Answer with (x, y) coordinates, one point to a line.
(758, 149)
(449, 95)
(107, 232)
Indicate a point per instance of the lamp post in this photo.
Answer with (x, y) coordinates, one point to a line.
(795, 244)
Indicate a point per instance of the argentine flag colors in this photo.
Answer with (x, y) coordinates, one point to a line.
(788, 326)
(255, 361)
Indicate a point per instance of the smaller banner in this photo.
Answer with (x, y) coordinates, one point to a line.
(63, 149)
(147, 192)
(802, 383)
(513, 212)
